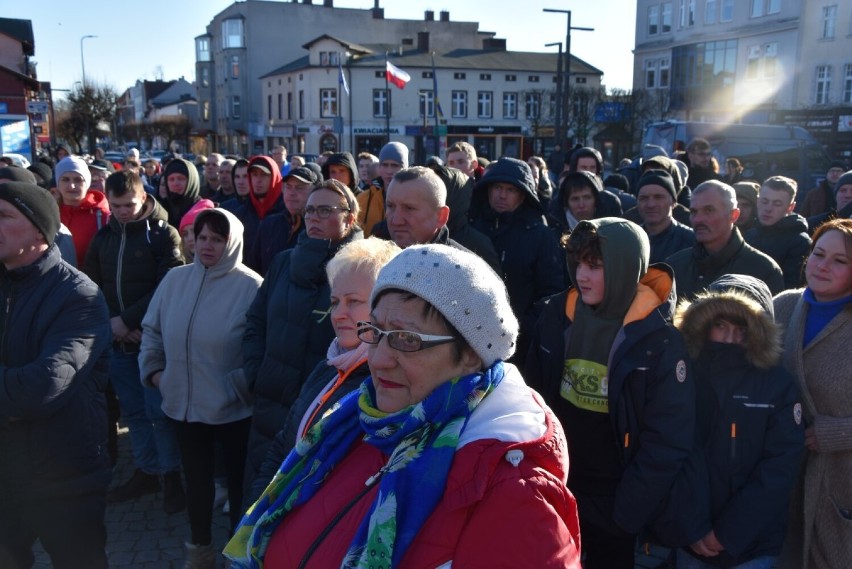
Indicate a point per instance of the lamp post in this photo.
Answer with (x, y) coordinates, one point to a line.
(558, 132)
(83, 59)
(567, 90)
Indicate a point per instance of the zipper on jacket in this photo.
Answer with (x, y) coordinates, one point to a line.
(733, 441)
(6, 311)
(368, 485)
(118, 268)
(187, 345)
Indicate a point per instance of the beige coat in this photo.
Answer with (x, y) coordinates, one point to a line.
(820, 533)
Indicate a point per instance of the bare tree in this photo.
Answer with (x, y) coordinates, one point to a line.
(88, 107)
(581, 119)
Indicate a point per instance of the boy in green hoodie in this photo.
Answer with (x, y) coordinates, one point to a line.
(606, 358)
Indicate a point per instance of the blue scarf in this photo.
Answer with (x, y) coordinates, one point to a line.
(421, 442)
(820, 314)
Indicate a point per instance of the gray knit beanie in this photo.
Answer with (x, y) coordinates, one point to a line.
(396, 151)
(462, 287)
(74, 164)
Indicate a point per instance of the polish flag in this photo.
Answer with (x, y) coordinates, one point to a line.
(396, 75)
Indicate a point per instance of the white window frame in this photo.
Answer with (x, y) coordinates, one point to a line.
(328, 103)
(485, 104)
(823, 85)
(829, 22)
(459, 104)
(653, 19)
(510, 105)
(666, 18)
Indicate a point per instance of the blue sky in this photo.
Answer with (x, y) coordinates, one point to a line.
(157, 36)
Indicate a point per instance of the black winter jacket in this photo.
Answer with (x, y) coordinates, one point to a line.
(54, 359)
(787, 242)
(247, 214)
(695, 269)
(129, 261)
(285, 440)
(651, 397)
(288, 331)
(277, 232)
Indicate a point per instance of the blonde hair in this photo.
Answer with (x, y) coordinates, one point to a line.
(364, 255)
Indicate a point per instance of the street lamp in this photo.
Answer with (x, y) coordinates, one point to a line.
(567, 90)
(558, 133)
(83, 59)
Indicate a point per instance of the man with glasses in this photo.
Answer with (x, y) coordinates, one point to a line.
(699, 160)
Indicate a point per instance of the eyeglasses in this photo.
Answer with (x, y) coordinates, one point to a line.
(402, 340)
(322, 211)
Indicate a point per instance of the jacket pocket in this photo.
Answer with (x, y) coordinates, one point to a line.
(238, 381)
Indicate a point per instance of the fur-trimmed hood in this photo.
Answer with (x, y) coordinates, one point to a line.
(739, 300)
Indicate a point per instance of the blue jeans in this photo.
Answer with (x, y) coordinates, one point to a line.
(152, 438)
(687, 561)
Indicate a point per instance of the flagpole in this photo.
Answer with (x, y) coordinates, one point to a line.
(388, 95)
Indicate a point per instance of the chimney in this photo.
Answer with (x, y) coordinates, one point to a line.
(494, 44)
(423, 41)
(309, 2)
(378, 13)
(429, 15)
(328, 3)
(445, 16)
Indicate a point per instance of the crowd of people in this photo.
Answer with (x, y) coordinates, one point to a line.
(371, 363)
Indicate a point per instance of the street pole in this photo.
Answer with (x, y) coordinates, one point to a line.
(559, 102)
(89, 140)
(567, 74)
(83, 59)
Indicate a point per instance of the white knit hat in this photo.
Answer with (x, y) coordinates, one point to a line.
(462, 287)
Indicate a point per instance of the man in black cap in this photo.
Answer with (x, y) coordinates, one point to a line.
(54, 465)
(280, 231)
(656, 200)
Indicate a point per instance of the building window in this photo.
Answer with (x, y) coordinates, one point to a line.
(764, 7)
(653, 20)
(485, 77)
(289, 106)
(687, 13)
(269, 107)
(202, 49)
(205, 111)
(711, 8)
(650, 73)
(511, 78)
(484, 105)
(232, 33)
(847, 83)
(727, 11)
(301, 104)
(380, 103)
(235, 107)
(427, 104)
(770, 59)
(459, 104)
(459, 75)
(205, 76)
(510, 105)
(427, 75)
(324, 61)
(280, 106)
(753, 61)
(533, 79)
(666, 18)
(532, 105)
(829, 21)
(579, 79)
(328, 103)
(235, 67)
(823, 84)
(380, 74)
(664, 73)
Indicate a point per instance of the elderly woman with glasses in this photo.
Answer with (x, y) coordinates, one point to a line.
(288, 326)
(442, 457)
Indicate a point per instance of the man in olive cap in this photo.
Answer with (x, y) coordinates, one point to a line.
(54, 465)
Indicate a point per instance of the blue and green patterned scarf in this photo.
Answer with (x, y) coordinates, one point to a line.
(420, 440)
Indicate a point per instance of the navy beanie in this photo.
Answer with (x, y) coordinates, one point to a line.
(844, 180)
(510, 171)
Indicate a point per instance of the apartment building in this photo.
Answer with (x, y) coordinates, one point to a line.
(500, 101)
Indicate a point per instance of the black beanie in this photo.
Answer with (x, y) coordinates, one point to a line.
(657, 178)
(844, 180)
(36, 203)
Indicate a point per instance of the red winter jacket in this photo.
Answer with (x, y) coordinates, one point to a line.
(84, 221)
(494, 512)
